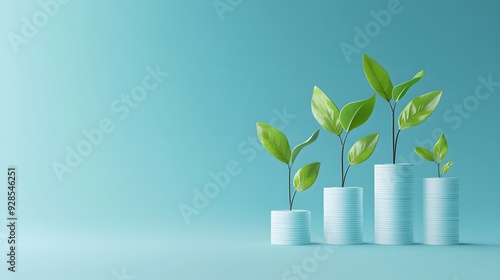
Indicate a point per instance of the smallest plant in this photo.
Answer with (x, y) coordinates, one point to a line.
(276, 143)
(440, 152)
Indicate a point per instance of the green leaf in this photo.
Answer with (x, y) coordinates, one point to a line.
(424, 153)
(306, 176)
(362, 149)
(325, 112)
(419, 109)
(441, 148)
(377, 77)
(274, 141)
(446, 167)
(356, 113)
(299, 147)
(400, 90)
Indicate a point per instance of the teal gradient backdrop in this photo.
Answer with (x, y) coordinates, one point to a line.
(231, 64)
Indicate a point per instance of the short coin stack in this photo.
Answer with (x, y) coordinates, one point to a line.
(290, 227)
(441, 211)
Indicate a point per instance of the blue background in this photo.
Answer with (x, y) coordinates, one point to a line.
(119, 208)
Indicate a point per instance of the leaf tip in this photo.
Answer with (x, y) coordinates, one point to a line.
(258, 125)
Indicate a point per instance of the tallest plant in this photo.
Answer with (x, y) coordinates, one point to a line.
(415, 112)
(393, 186)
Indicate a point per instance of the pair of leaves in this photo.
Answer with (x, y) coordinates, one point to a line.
(380, 81)
(440, 152)
(276, 143)
(350, 117)
(417, 110)
(306, 176)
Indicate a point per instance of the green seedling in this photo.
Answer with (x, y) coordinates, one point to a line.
(415, 112)
(276, 143)
(440, 152)
(342, 122)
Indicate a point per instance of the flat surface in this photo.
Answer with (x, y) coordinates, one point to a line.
(154, 257)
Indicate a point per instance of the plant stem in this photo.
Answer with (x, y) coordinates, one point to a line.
(341, 160)
(289, 198)
(293, 198)
(393, 109)
(342, 164)
(342, 148)
(395, 146)
(439, 169)
(345, 175)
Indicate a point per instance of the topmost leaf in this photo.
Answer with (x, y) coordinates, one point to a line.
(356, 113)
(325, 112)
(441, 148)
(274, 141)
(400, 90)
(378, 77)
(299, 147)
